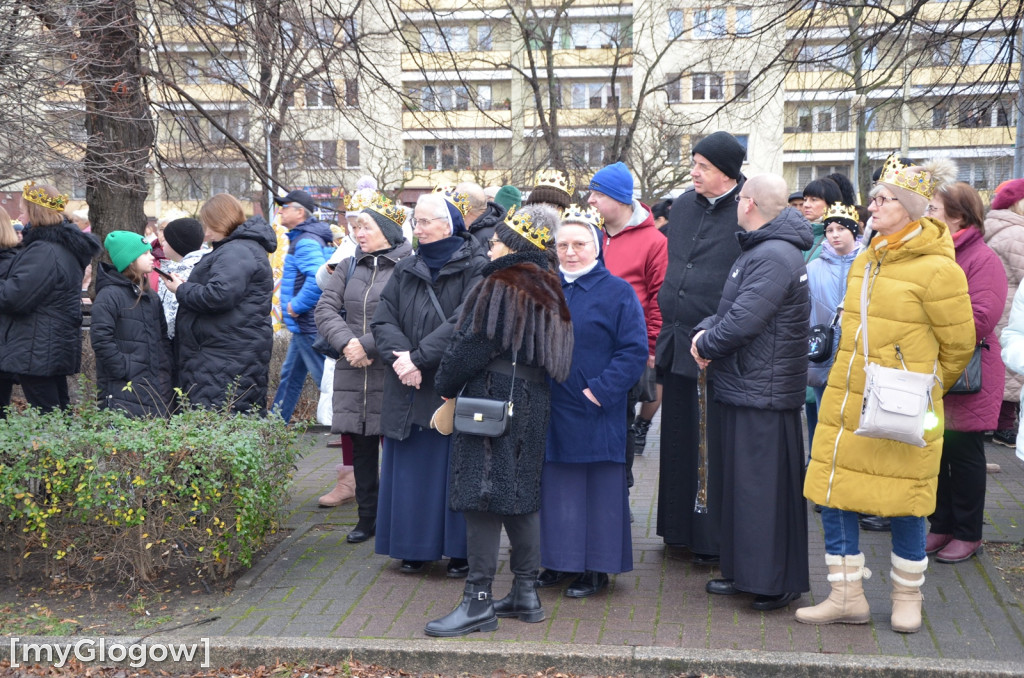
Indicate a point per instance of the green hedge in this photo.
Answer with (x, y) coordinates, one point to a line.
(99, 493)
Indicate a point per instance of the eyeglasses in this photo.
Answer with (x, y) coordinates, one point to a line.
(931, 209)
(492, 242)
(746, 197)
(576, 246)
(423, 223)
(881, 200)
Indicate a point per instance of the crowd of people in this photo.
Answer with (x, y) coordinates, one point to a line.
(578, 320)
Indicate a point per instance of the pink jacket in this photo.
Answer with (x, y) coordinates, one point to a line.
(986, 285)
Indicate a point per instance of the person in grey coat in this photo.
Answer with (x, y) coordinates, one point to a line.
(756, 347)
(343, 315)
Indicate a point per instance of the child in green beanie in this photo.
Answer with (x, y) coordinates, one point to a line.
(129, 332)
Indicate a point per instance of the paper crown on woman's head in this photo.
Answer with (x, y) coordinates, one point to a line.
(559, 179)
(387, 208)
(589, 216)
(909, 177)
(38, 196)
(453, 197)
(522, 224)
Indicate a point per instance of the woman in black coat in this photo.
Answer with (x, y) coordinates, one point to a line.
(129, 331)
(411, 329)
(40, 300)
(517, 320)
(223, 332)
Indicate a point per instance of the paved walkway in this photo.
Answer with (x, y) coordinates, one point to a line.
(317, 585)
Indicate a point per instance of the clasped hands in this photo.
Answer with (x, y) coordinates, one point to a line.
(407, 372)
(355, 354)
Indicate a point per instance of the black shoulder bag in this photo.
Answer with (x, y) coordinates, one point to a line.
(970, 379)
(484, 416)
(822, 338)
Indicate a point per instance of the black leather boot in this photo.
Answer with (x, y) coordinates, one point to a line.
(522, 601)
(476, 613)
(364, 529)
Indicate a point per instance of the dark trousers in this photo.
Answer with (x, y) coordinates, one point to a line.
(960, 499)
(631, 401)
(6, 386)
(483, 539)
(365, 468)
(1008, 416)
(45, 393)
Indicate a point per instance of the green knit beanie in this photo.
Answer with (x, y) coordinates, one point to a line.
(124, 247)
(508, 197)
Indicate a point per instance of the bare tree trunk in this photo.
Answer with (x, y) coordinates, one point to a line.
(118, 121)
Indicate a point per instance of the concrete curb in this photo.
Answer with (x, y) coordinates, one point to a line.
(484, 658)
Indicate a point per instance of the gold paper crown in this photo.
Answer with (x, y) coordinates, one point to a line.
(896, 173)
(41, 197)
(383, 206)
(563, 181)
(589, 216)
(459, 200)
(360, 200)
(523, 225)
(838, 210)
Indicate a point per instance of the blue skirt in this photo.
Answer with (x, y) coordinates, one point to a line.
(584, 518)
(413, 518)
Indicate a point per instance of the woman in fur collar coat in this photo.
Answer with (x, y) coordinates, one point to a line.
(40, 300)
(515, 320)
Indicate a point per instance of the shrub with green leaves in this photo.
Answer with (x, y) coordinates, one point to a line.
(95, 490)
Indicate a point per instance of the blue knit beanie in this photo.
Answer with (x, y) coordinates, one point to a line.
(615, 181)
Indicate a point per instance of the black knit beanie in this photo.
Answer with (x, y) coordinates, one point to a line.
(184, 235)
(391, 230)
(723, 151)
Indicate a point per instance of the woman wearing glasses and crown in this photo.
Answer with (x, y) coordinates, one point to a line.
(40, 299)
(919, 318)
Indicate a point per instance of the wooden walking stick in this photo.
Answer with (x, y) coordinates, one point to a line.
(700, 503)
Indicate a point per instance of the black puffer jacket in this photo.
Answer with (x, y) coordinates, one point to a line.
(406, 320)
(483, 227)
(129, 338)
(519, 291)
(757, 342)
(223, 330)
(358, 391)
(701, 249)
(41, 302)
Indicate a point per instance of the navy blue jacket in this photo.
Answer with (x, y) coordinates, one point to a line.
(608, 357)
(298, 279)
(757, 341)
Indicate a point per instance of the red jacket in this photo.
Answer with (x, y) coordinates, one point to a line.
(639, 255)
(986, 285)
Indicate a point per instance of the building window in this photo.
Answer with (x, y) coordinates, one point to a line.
(709, 23)
(744, 20)
(236, 124)
(483, 97)
(940, 117)
(445, 98)
(233, 182)
(225, 12)
(228, 68)
(486, 156)
(805, 174)
(454, 156)
(352, 153)
(589, 153)
(674, 149)
(430, 157)
(984, 51)
(324, 154)
(707, 87)
(484, 37)
(675, 24)
(741, 85)
(606, 35)
(320, 95)
(673, 90)
(983, 174)
(824, 118)
(318, 32)
(352, 93)
(594, 95)
(444, 39)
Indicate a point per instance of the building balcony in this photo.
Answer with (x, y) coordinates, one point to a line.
(471, 119)
(427, 179)
(890, 139)
(813, 80)
(493, 60)
(582, 117)
(960, 75)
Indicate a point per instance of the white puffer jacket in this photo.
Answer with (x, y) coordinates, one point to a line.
(1004, 233)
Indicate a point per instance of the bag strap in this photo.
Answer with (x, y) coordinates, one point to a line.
(511, 389)
(436, 303)
(864, 309)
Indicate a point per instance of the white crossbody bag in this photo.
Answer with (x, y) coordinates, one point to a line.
(896, 402)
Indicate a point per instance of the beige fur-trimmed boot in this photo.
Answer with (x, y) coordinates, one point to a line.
(907, 578)
(846, 603)
(344, 490)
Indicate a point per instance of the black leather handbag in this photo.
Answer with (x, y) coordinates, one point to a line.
(484, 416)
(970, 378)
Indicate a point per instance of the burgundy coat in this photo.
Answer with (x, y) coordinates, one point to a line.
(986, 284)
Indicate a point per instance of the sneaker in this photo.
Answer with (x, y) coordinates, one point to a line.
(639, 431)
(1006, 437)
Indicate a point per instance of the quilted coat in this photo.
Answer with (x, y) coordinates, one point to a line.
(757, 342)
(224, 331)
(41, 301)
(517, 310)
(406, 320)
(129, 338)
(1004, 233)
(308, 250)
(1013, 349)
(358, 391)
(986, 284)
(920, 304)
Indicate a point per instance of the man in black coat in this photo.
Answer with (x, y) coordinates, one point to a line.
(758, 342)
(701, 249)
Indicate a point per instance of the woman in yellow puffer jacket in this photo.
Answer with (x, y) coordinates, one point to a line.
(918, 307)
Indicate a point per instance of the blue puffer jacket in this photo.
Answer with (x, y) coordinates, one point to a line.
(826, 277)
(298, 280)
